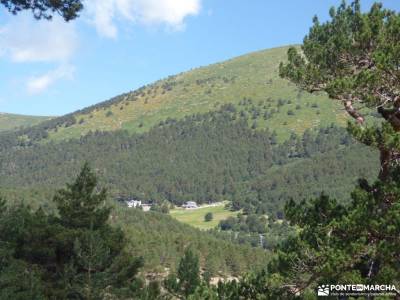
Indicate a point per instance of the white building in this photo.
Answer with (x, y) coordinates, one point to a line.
(190, 205)
(146, 207)
(133, 203)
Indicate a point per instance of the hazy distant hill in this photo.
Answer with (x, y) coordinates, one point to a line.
(12, 121)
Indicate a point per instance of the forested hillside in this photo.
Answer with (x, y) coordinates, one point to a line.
(158, 238)
(204, 157)
(229, 131)
(101, 248)
(232, 131)
(161, 241)
(302, 207)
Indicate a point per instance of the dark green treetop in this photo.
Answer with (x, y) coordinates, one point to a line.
(76, 254)
(79, 205)
(45, 9)
(341, 244)
(189, 272)
(187, 278)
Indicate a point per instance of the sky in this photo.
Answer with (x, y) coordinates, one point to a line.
(115, 46)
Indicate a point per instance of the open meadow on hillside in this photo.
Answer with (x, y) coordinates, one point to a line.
(195, 217)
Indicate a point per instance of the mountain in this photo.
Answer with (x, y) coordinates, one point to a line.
(222, 132)
(205, 158)
(233, 131)
(13, 121)
(249, 82)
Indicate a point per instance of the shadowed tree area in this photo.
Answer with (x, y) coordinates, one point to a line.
(73, 255)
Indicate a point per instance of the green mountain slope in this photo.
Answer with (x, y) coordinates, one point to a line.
(253, 77)
(204, 158)
(161, 240)
(231, 131)
(12, 121)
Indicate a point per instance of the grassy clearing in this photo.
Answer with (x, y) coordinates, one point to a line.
(195, 217)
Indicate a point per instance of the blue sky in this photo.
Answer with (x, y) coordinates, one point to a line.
(52, 68)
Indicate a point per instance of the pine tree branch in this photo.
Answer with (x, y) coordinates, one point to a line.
(348, 105)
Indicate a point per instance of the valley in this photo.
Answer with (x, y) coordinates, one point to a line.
(232, 132)
(222, 172)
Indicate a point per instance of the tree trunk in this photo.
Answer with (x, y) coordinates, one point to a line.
(385, 157)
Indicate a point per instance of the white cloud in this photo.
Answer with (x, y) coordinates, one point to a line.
(101, 15)
(24, 39)
(172, 13)
(38, 84)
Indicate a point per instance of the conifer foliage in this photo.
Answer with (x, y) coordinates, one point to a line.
(79, 205)
(73, 255)
(354, 58)
(45, 9)
(187, 279)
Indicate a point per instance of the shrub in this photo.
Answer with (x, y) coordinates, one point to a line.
(208, 217)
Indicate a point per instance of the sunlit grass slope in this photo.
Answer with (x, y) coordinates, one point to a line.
(253, 76)
(12, 121)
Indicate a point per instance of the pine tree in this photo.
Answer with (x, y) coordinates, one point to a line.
(93, 251)
(74, 255)
(44, 9)
(91, 255)
(79, 205)
(354, 58)
(342, 244)
(188, 273)
(187, 278)
(19, 278)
